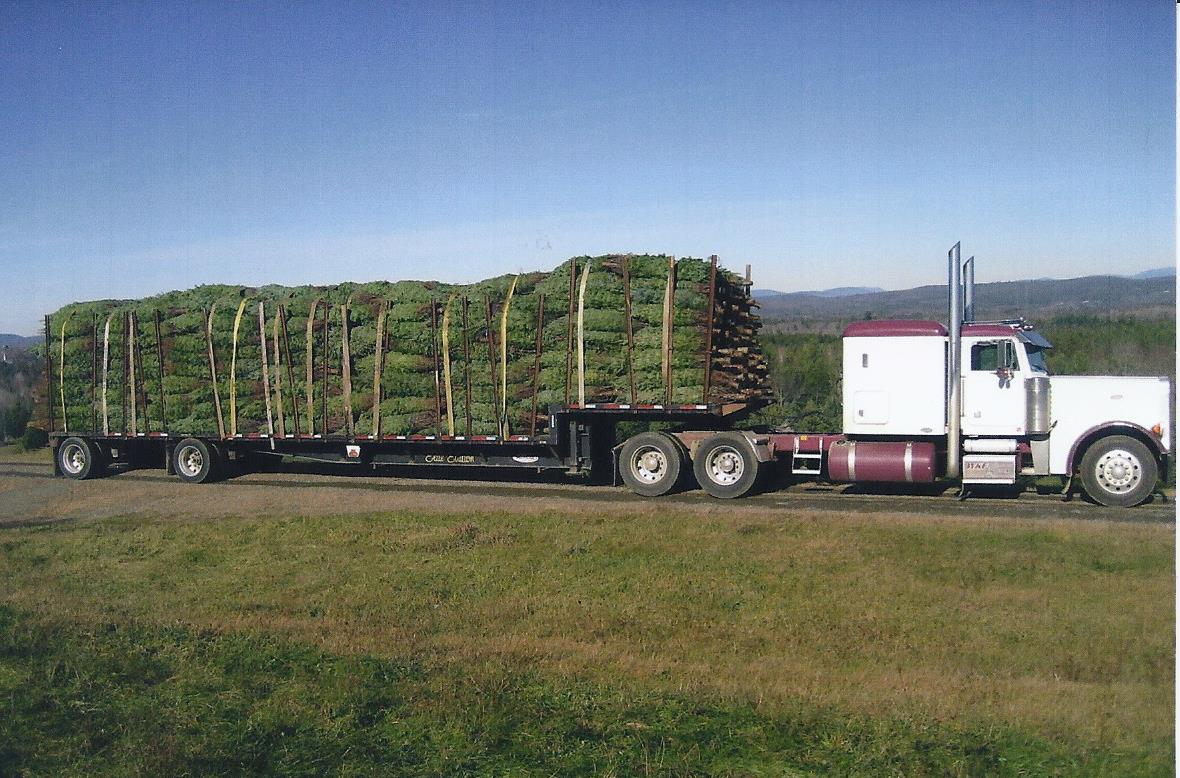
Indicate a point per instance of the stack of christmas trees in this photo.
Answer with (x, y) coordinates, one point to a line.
(408, 357)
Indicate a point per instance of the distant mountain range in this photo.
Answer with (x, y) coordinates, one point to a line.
(17, 341)
(839, 291)
(1150, 293)
(848, 291)
(1159, 272)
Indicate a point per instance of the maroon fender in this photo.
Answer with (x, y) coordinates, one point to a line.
(881, 461)
(1112, 428)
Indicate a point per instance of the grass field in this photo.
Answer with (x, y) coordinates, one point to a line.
(644, 643)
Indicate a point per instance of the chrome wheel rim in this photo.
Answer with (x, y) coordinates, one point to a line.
(649, 464)
(1118, 471)
(73, 458)
(725, 465)
(189, 461)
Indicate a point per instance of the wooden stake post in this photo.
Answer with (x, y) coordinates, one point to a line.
(437, 380)
(142, 372)
(290, 368)
(346, 371)
(61, 375)
(131, 371)
(711, 323)
(378, 368)
(492, 356)
(669, 314)
(467, 365)
(582, 334)
(106, 362)
(93, 374)
(446, 365)
(630, 328)
(212, 371)
(49, 374)
(123, 386)
(324, 374)
(569, 331)
(270, 420)
(537, 362)
(160, 372)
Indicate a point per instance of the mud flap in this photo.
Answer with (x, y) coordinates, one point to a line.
(615, 479)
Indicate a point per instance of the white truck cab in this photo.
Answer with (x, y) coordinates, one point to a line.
(995, 409)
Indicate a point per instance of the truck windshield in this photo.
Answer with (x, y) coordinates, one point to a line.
(1036, 359)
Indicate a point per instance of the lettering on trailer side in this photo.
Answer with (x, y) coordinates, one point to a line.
(450, 459)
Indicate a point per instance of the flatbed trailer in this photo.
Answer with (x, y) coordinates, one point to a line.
(580, 440)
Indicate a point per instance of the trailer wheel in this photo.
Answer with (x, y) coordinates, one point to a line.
(1119, 471)
(725, 466)
(195, 461)
(650, 463)
(80, 459)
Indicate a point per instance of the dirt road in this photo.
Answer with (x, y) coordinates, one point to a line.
(30, 494)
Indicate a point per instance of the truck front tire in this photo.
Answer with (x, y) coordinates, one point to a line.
(80, 459)
(725, 466)
(651, 463)
(195, 461)
(1119, 471)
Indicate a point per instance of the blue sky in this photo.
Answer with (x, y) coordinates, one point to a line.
(152, 146)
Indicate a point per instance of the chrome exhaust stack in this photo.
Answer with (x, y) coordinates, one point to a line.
(954, 408)
(969, 290)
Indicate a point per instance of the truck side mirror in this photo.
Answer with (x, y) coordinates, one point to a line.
(1005, 359)
(1008, 358)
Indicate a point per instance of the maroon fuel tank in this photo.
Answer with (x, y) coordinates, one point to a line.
(872, 460)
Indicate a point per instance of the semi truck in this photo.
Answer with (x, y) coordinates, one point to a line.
(970, 403)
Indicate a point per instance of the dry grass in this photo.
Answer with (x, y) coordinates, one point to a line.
(1061, 629)
(19, 455)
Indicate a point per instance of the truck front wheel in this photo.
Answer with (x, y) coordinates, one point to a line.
(1119, 471)
(650, 463)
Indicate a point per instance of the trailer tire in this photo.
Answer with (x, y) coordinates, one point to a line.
(195, 461)
(80, 459)
(1119, 471)
(651, 463)
(726, 467)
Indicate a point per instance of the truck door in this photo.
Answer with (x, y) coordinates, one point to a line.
(993, 388)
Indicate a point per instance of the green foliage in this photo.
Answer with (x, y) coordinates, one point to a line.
(34, 438)
(13, 420)
(18, 375)
(1092, 345)
(123, 699)
(805, 375)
